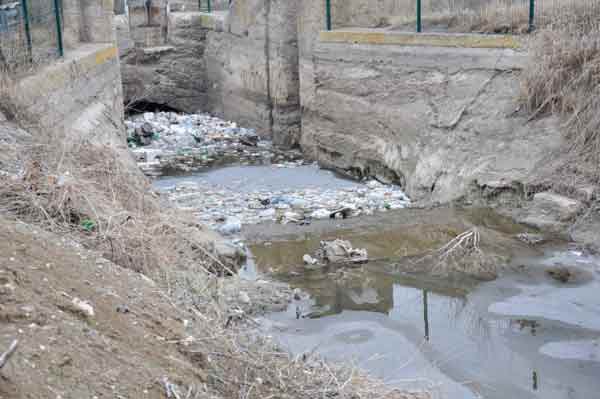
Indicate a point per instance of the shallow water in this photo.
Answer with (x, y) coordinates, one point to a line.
(524, 335)
(244, 179)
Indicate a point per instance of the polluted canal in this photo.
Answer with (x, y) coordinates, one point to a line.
(461, 302)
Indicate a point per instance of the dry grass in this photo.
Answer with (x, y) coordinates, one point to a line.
(86, 192)
(489, 16)
(563, 78)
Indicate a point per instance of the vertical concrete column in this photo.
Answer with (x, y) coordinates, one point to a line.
(98, 21)
(72, 23)
(148, 22)
(281, 53)
(311, 20)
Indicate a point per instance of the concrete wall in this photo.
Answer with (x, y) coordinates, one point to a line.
(241, 65)
(434, 113)
(88, 21)
(253, 68)
(79, 96)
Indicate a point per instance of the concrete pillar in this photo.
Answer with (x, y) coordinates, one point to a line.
(98, 21)
(148, 22)
(72, 23)
(281, 49)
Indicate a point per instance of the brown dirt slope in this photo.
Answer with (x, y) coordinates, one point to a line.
(124, 351)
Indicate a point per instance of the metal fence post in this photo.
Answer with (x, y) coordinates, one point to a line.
(27, 27)
(531, 15)
(209, 7)
(328, 14)
(419, 25)
(59, 37)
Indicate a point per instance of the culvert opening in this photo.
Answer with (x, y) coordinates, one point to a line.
(139, 107)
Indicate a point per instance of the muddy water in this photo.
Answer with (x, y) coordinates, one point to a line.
(524, 335)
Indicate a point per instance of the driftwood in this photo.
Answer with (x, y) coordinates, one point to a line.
(5, 357)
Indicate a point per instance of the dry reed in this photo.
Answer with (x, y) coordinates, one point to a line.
(563, 78)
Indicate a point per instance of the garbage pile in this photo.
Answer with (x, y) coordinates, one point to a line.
(169, 143)
(227, 210)
(336, 251)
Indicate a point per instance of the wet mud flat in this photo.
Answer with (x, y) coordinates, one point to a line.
(534, 332)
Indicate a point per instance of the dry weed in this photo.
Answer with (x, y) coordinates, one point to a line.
(563, 78)
(461, 256)
(90, 194)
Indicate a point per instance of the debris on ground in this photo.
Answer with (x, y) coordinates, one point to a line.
(336, 251)
(168, 142)
(217, 205)
(531, 238)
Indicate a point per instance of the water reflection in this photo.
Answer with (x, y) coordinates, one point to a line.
(426, 315)
(406, 327)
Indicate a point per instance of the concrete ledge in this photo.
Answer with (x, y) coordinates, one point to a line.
(58, 93)
(77, 62)
(376, 36)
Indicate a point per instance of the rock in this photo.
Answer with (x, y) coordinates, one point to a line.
(566, 208)
(83, 307)
(549, 211)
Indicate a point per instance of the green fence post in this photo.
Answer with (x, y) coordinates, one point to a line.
(531, 15)
(209, 7)
(419, 26)
(328, 14)
(27, 28)
(59, 38)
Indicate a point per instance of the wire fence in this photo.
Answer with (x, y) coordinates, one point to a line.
(481, 16)
(30, 33)
(214, 5)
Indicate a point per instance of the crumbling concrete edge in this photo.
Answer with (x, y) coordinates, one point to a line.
(420, 39)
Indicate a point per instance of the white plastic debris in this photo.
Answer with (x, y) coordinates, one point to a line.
(231, 226)
(84, 307)
(309, 260)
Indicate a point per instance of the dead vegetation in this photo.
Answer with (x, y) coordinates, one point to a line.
(461, 256)
(489, 16)
(563, 78)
